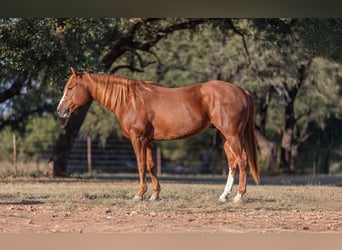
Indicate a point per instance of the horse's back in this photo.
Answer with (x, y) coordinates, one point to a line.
(226, 88)
(224, 93)
(205, 97)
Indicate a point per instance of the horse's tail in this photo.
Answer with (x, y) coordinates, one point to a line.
(250, 140)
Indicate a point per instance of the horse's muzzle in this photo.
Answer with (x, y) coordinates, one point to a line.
(64, 113)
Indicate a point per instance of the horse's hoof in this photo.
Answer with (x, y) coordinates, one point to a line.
(237, 200)
(137, 198)
(154, 198)
(222, 199)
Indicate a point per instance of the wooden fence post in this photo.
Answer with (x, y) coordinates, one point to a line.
(89, 155)
(15, 170)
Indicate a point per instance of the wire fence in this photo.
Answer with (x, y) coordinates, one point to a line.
(87, 155)
(117, 156)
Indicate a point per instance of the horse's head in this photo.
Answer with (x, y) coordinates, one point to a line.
(75, 95)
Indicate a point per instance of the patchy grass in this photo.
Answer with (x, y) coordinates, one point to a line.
(183, 198)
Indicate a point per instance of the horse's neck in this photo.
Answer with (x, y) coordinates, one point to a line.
(110, 93)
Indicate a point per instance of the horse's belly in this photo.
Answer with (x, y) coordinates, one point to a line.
(179, 129)
(179, 116)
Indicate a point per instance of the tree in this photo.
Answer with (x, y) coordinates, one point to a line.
(30, 49)
(294, 49)
(275, 68)
(321, 114)
(285, 63)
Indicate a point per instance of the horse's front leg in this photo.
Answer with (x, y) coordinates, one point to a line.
(152, 171)
(139, 145)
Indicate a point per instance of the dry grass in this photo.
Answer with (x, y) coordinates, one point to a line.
(38, 205)
(185, 198)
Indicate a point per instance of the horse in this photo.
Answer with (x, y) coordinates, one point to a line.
(149, 111)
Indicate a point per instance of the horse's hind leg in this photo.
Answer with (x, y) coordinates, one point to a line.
(232, 170)
(152, 172)
(236, 156)
(229, 185)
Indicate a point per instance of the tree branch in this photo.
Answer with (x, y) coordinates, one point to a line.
(20, 117)
(127, 66)
(300, 140)
(121, 46)
(237, 31)
(12, 91)
(168, 30)
(302, 115)
(130, 67)
(126, 42)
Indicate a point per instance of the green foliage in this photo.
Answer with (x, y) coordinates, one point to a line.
(100, 123)
(322, 37)
(320, 98)
(37, 138)
(40, 134)
(6, 145)
(277, 48)
(36, 55)
(260, 55)
(35, 59)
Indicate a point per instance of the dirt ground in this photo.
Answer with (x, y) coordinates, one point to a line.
(39, 218)
(36, 212)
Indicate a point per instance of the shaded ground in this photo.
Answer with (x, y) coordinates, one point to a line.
(106, 206)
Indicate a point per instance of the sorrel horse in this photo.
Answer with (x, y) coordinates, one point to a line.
(148, 111)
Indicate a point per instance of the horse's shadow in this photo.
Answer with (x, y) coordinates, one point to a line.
(22, 203)
(264, 200)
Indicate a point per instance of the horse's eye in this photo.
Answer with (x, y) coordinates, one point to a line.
(71, 87)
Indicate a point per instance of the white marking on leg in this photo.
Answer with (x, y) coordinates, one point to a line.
(228, 187)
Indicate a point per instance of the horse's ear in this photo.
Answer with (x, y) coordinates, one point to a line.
(73, 71)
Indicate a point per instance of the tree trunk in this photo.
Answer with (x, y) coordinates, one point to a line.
(268, 151)
(289, 146)
(61, 151)
(322, 160)
(287, 139)
(263, 109)
(204, 168)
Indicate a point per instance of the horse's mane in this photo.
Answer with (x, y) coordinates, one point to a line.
(113, 90)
